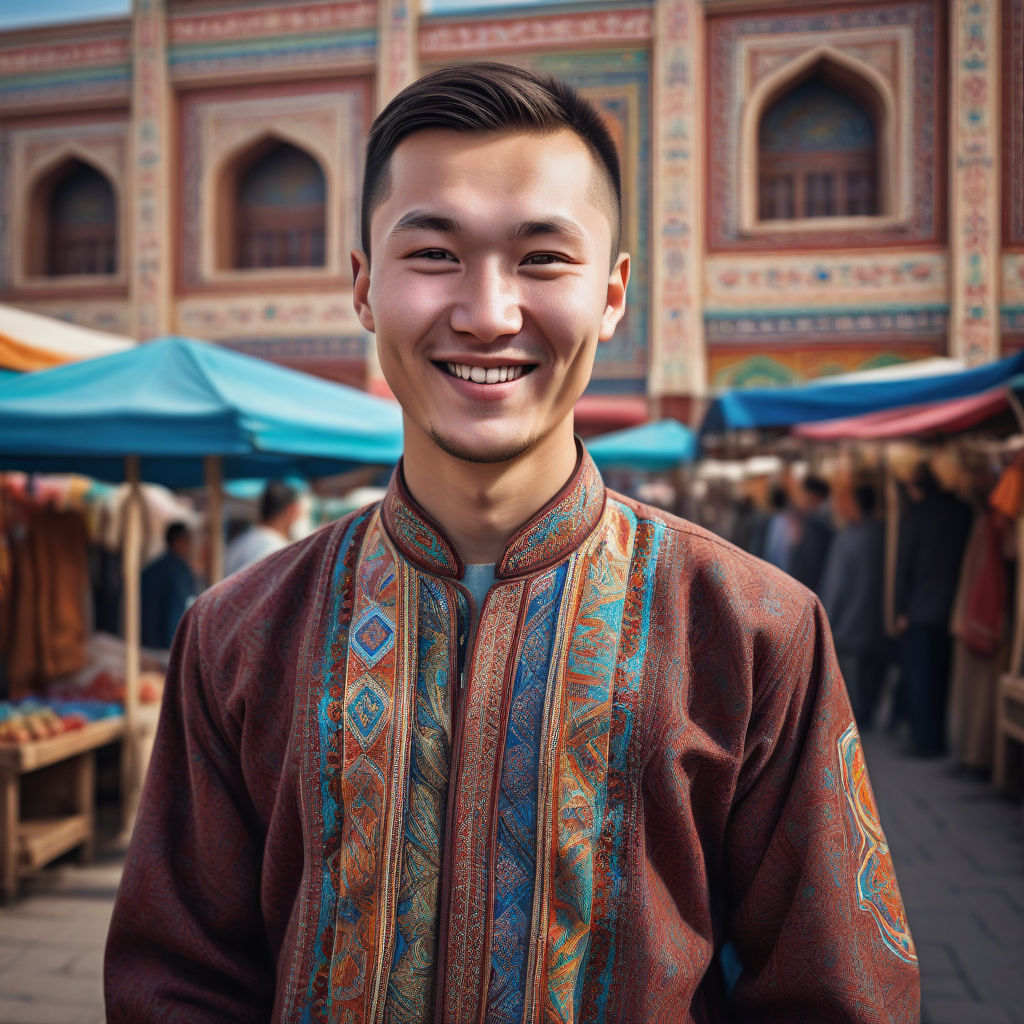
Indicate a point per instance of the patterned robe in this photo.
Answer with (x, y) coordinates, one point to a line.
(633, 792)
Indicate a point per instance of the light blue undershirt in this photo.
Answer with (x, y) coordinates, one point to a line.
(478, 580)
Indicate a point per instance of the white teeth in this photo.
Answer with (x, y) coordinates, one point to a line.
(485, 374)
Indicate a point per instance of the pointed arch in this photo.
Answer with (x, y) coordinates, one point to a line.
(864, 86)
(271, 206)
(73, 222)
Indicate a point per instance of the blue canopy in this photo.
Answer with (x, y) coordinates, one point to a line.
(767, 408)
(175, 400)
(652, 446)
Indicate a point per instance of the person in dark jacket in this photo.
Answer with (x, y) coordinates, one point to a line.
(168, 588)
(852, 591)
(807, 562)
(933, 536)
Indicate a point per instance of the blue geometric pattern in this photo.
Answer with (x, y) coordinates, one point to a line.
(367, 710)
(372, 636)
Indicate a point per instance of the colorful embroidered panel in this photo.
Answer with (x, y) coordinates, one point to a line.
(329, 714)
(877, 891)
(410, 994)
(581, 726)
(477, 753)
(609, 866)
(561, 526)
(515, 856)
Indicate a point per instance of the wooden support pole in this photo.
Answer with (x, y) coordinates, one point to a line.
(215, 515)
(131, 558)
(892, 538)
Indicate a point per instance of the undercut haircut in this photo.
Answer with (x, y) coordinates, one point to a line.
(486, 96)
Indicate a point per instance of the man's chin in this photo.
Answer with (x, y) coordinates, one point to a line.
(488, 452)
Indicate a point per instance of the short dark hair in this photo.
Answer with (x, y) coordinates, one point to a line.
(485, 96)
(866, 497)
(277, 496)
(816, 485)
(174, 532)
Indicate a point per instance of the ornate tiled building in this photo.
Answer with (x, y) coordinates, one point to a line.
(811, 187)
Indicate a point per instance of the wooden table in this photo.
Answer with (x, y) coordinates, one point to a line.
(47, 799)
(1009, 732)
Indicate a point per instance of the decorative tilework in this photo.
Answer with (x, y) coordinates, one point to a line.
(797, 284)
(334, 36)
(76, 64)
(329, 121)
(813, 324)
(739, 367)
(397, 48)
(448, 38)
(974, 191)
(150, 254)
(617, 81)
(678, 364)
(1013, 122)
(731, 36)
(270, 315)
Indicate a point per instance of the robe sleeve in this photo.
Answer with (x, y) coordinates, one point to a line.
(187, 939)
(815, 914)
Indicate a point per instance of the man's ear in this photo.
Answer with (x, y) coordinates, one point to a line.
(361, 289)
(615, 303)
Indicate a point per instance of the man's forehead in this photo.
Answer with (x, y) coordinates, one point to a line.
(542, 171)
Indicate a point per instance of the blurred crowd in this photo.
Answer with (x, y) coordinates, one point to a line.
(917, 585)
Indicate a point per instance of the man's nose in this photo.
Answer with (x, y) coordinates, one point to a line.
(487, 305)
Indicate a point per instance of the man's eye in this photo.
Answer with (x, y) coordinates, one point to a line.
(433, 254)
(543, 259)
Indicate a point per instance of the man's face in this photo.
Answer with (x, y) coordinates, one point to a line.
(490, 287)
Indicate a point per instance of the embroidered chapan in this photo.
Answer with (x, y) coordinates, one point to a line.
(640, 759)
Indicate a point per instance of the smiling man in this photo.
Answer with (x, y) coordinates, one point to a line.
(507, 747)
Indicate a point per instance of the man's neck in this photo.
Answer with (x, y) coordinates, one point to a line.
(481, 505)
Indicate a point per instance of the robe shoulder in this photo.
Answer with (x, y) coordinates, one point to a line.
(251, 633)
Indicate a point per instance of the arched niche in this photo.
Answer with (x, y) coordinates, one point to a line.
(851, 107)
(271, 209)
(73, 221)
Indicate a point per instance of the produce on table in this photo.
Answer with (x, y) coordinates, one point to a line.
(29, 720)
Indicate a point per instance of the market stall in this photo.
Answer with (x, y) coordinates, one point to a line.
(181, 412)
(29, 341)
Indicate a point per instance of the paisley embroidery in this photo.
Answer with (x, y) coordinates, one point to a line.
(877, 891)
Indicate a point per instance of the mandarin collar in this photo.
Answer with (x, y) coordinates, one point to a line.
(543, 540)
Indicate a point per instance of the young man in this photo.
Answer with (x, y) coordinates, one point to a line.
(507, 747)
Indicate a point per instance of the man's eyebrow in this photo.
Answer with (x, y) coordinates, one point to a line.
(420, 220)
(550, 226)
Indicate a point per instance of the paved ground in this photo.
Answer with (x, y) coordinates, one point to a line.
(959, 853)
(958, 846)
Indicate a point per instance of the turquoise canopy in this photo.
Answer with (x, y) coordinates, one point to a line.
(652, 446)
(173, 401)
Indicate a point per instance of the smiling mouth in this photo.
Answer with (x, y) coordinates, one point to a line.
(485, 374)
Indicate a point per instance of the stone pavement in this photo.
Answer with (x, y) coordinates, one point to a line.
(958, 847)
